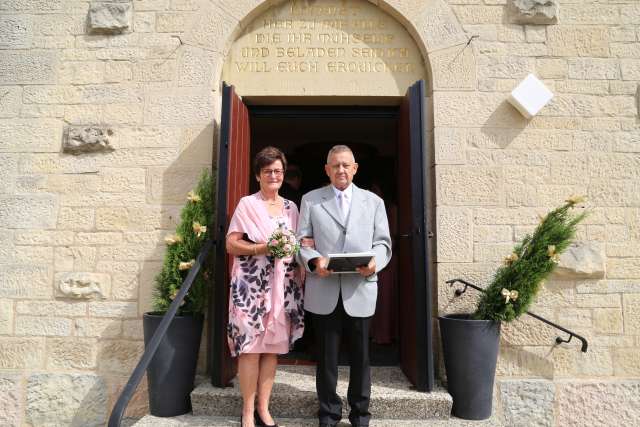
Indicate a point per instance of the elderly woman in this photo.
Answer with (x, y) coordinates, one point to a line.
(265, 301)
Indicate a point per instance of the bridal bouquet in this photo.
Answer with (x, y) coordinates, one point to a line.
(283, 243)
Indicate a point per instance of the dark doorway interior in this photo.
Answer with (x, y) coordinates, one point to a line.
(306, 134)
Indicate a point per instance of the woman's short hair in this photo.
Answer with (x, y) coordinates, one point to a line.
(266, 156)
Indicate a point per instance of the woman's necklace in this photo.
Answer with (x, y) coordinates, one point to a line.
(269, 202)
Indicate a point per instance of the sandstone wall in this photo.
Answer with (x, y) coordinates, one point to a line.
(496, 172)
(107, 116)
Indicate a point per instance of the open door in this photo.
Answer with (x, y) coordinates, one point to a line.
(232, 184)
(416, 349)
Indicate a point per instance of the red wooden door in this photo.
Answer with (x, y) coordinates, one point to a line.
(232, 184)
(416, 348)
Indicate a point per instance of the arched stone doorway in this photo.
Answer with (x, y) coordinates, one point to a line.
(431, 30)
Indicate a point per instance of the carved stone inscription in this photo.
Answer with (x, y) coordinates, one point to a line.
(298, 44)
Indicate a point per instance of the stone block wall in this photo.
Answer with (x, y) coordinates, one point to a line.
(102, 134)
(135, 85)
(497, 171)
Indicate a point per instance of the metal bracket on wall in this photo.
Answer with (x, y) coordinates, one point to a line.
(559, 340)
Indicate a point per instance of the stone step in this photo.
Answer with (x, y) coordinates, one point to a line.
(201, 421)
(294, 396)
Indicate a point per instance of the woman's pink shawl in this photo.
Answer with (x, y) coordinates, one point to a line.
(251, 217)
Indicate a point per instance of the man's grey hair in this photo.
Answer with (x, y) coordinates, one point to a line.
(339, 149)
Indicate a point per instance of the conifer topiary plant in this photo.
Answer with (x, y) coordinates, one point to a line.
(516, 283)
(183, 248)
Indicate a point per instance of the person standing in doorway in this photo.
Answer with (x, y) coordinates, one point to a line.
(265, 298)
(342, 217)
(292, 185)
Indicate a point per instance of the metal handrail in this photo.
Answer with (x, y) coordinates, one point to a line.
(559, 340)
(117, 412)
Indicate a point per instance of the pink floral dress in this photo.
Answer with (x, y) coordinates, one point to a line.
(266, 312)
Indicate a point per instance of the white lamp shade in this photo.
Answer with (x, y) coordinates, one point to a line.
(530, 96)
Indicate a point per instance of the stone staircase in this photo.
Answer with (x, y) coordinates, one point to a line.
(293, 402)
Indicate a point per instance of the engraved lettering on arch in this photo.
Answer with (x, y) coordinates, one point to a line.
(369, 67)
(352, 41)
(298, 66)
(299, 8)
(314, 52)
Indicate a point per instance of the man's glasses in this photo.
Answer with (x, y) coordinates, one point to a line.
(337, 166)
(275, 172)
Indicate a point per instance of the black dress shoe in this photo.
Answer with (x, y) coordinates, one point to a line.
(261, 423)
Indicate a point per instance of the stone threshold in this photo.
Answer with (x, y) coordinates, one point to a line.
(203, 421)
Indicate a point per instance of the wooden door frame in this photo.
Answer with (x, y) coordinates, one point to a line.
(234, 120)
(420, 184)
(323, 111)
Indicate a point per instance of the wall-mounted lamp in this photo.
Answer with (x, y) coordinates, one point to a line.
(530, 96)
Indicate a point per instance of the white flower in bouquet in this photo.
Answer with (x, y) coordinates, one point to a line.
(283, 243)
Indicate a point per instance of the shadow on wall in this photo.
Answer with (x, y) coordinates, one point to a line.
(503, 126)
(527, 346)
(517, 360)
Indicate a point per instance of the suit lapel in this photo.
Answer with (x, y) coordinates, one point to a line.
(331, 206)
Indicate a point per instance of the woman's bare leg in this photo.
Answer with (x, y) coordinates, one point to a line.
(268, 364)
(248, 370)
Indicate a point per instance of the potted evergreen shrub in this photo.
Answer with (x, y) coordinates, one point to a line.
(172, 370)
(470, 341)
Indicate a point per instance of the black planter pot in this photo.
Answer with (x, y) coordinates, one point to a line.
(470, 350)
(172, 371)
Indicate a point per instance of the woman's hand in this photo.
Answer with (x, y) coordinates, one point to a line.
(237, 246)
(308, 242)
(262, 249)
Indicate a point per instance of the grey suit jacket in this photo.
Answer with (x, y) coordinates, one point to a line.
(366, 229)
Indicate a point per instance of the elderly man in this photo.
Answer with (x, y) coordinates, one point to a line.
(342, 218)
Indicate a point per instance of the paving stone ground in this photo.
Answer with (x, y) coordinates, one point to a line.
(196, 421)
